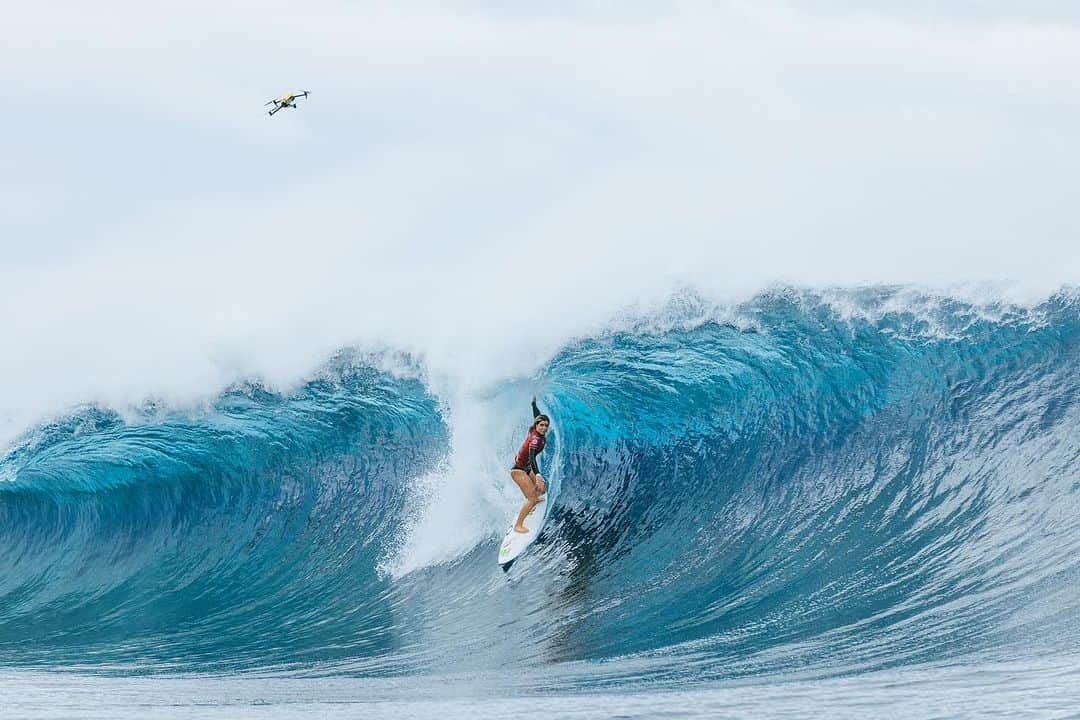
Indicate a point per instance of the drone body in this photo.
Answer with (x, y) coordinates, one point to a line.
(288, 100)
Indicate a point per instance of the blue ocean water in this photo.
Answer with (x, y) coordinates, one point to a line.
(812, 502)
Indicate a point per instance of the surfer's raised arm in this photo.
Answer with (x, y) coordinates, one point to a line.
(535, 442)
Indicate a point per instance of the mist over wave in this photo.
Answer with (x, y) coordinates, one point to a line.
(841, 480)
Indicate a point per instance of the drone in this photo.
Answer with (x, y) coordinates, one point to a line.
(286, 100)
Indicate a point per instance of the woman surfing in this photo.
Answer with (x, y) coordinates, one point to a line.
(525, 472)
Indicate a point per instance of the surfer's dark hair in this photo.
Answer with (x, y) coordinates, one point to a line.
(539, 419)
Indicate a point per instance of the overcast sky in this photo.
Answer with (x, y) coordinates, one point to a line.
(499, 175)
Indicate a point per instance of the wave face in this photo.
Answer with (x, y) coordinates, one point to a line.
(828, 482)
(246, 535)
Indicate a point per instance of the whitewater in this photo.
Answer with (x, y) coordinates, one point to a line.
(810, 496)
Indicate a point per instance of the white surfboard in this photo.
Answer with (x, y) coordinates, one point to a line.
(515, 543)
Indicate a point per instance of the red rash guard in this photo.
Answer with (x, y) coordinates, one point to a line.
(526, 456)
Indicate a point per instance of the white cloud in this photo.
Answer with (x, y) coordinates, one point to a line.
(163, 234)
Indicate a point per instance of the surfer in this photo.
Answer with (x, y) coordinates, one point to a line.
(525, 472)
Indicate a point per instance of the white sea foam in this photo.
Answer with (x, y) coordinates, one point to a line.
(471, 496)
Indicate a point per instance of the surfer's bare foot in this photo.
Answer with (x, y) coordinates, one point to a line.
(521, 529)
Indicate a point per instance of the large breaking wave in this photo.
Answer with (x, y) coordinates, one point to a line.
(824, 481)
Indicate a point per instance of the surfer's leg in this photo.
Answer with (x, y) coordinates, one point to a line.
(524, 482)
(541, 486)
(519, 523)
(528, 489)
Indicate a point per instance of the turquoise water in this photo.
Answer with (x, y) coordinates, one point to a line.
(840, 505)
(1003, 690)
